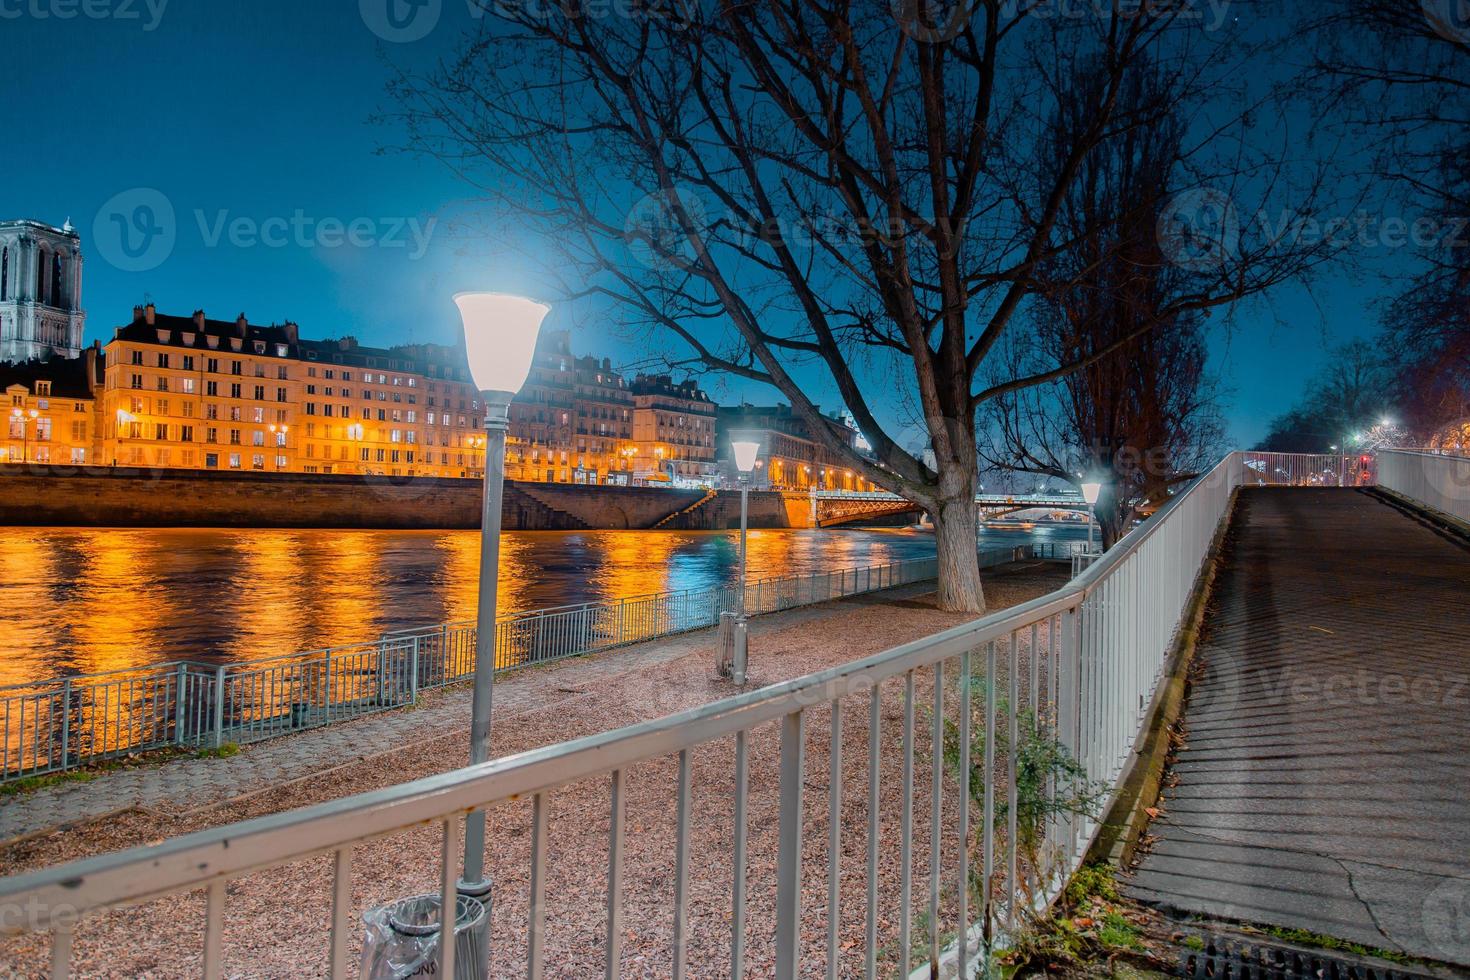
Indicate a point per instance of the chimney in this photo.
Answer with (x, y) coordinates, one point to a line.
(199, 320)
(137, 314)
(242, 325)
(291, 331)
(149, 311)
(89, 359)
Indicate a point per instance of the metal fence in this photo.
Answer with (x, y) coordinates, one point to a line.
(1069, 676)
(60, 724)
(1441, 480)
(1308, 470)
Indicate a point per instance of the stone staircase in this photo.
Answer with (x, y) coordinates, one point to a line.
(708, 496)
(525, 509)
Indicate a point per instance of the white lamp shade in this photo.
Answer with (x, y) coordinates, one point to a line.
(745, 454)
(500, 337)
(1090, 492)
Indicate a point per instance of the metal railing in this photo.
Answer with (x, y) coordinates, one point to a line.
(1308, 470)
(1069, 676)
(50, 726)
(1440, 480)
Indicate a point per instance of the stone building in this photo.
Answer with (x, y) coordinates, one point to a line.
(40, 291)
(231, 395)
(791, 457)
(673, 430)
(572, 422)
(51, 410)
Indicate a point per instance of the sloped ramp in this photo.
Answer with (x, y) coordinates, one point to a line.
(1325, 780)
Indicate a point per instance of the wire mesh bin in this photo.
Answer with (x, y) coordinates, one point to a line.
(402, 939)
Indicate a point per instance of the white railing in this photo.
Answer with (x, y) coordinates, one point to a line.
(1068, 678)
(1440, 480)
(54, 725)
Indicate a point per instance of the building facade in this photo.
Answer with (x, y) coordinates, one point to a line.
(673, 431)
(40, 291)
(572, 422)
(199, 393)
(193, 392)
(791, 457)
(50, 410)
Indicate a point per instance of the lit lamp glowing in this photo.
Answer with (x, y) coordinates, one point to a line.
(1090, 493)
(745, 452)
(500, 340)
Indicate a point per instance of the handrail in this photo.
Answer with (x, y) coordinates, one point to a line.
(1096, 651)
(195, 859)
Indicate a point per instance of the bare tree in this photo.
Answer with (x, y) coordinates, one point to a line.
(840, 196)
(1352, 392)
(1144, 416)
(1398, 73)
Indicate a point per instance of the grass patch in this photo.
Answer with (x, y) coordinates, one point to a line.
(1305, 937)
(219, 751)
(89, 772)
(29, 784)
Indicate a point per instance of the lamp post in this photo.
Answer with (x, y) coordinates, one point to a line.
(500, 340)
(1090, 493)
(278, 433)
(745, 452)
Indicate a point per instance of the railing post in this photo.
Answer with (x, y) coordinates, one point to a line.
(219, 706)
(66, 723)
(382, 671)
(327, 688)
(180, 684)
(788, 861)
(413, 677)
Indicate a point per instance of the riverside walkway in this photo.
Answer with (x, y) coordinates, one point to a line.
(1324, 783)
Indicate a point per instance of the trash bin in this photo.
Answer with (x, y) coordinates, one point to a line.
(402, 939)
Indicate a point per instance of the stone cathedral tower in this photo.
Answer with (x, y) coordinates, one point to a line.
(40, 291)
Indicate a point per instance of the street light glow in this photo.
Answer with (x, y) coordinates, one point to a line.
(745, 454)
(500, 334)
(1090, 492)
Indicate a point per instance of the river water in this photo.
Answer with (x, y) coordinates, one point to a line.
(83, 600)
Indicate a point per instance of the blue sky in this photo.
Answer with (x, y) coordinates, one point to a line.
(254, 123)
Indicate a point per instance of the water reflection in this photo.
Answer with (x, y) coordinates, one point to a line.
(87, 600)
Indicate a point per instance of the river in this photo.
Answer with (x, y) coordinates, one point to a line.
(83, 600)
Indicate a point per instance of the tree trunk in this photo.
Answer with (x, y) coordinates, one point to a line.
(959, 561)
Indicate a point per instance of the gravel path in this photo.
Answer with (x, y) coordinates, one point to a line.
(275, 920)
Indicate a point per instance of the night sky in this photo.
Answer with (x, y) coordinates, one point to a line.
(265, 110)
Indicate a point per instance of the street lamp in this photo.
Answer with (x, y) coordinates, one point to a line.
(279, 434)
(745, 452)
(25, 433)
(500, 340)
(1090, 493)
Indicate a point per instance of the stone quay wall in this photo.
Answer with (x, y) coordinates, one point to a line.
(97, 496)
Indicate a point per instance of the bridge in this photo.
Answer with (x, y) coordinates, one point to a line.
(834, 508)
(1322, 785)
